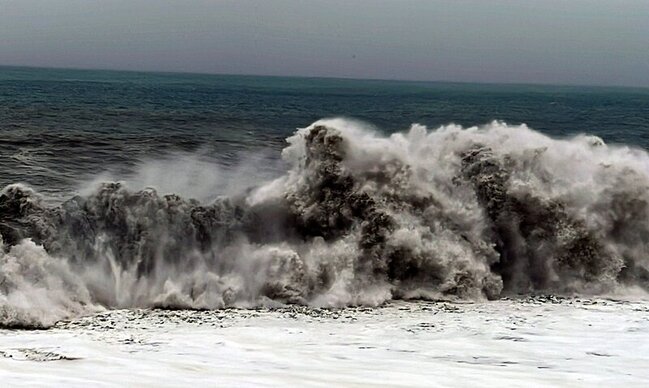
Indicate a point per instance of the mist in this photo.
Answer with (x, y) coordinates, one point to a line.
(558, 42)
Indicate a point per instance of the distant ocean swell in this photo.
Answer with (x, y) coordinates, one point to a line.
(357, 219)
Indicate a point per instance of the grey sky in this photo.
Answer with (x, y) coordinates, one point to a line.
(551, 41)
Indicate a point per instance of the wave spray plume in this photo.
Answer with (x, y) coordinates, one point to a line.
(358, 218)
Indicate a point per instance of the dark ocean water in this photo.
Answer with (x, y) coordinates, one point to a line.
(61, 126)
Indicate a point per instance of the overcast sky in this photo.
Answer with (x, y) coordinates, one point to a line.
(530, 41)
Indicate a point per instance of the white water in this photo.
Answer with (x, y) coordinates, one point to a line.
(413, 215)
(538, 342)
(357, 219)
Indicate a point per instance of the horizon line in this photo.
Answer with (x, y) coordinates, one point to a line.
(343, 78)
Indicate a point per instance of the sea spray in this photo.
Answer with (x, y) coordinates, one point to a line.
(357, 219)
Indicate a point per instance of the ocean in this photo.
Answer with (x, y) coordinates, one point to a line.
(267, 231)
(61, 126)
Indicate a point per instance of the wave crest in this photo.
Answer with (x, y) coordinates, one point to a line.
(358, 218)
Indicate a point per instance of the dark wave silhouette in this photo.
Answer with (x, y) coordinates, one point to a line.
(358, 218)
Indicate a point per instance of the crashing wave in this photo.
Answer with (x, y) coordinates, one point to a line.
(358, 218)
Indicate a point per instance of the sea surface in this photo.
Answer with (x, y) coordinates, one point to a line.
(176, 229)
(536, 342)
(59, 127)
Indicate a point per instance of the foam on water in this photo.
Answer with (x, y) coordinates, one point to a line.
(527, 342)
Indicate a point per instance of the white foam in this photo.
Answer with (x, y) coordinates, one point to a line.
(576, 343)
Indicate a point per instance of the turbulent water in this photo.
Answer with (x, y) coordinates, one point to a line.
(358, 218)
(349, 215)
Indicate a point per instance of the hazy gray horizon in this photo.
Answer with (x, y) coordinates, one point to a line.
(586, 42)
